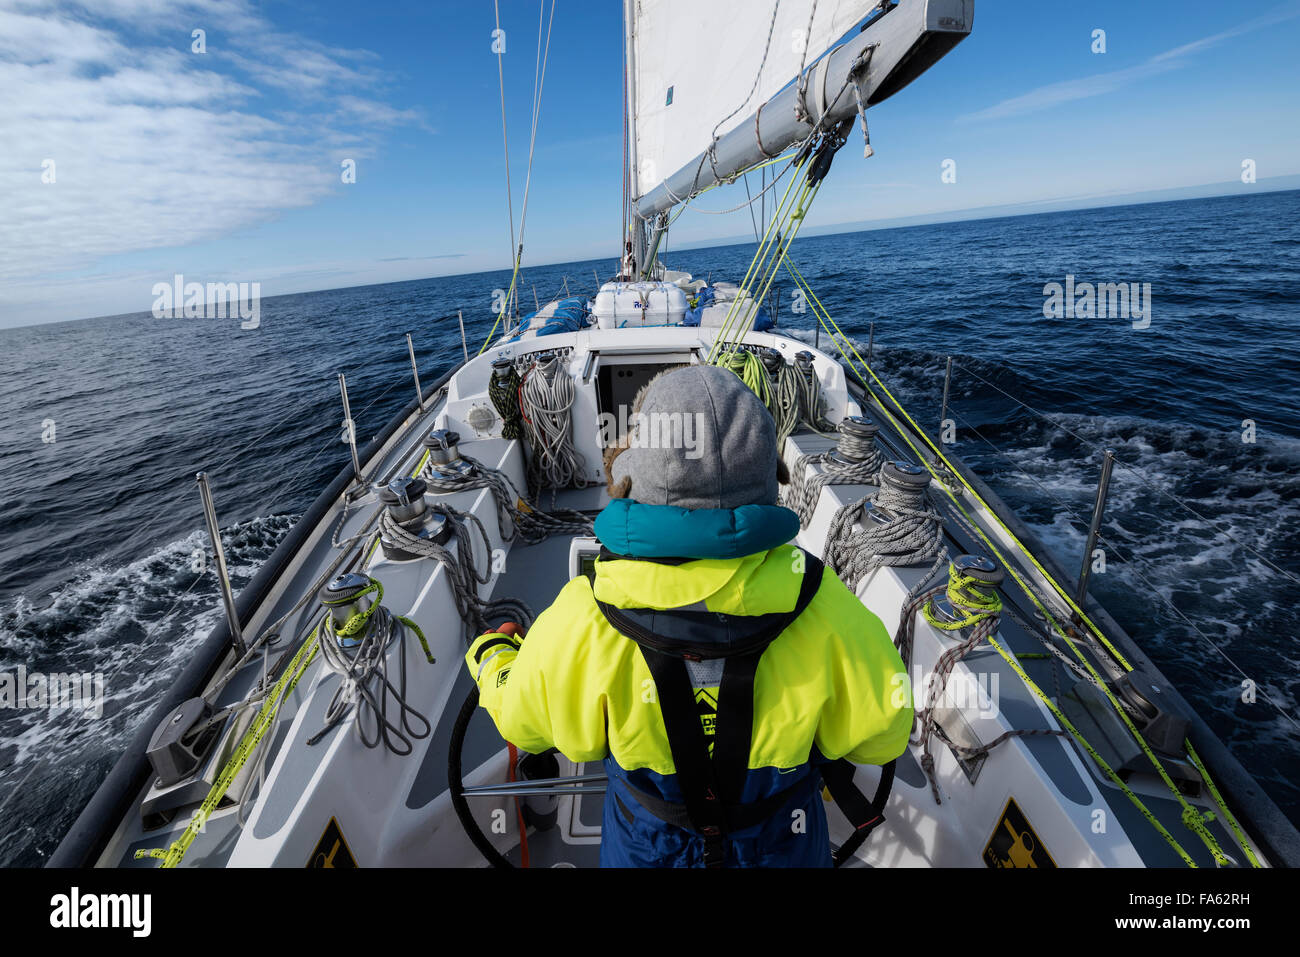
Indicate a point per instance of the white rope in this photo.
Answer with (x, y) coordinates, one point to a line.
(546, 401)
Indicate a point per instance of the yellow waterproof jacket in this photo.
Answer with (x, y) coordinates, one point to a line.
(831, 685)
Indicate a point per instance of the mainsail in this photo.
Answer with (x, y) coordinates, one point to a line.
(716, 86)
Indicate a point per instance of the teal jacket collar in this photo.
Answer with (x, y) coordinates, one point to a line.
(665, 531)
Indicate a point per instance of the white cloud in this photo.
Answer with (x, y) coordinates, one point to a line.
(156, 146)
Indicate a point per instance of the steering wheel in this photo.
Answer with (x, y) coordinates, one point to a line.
(585, 784)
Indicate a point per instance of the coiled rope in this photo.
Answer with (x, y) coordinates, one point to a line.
(363, 674)
(913, 536)
(784, 405)
(504, 393)
(812, 404)
(546, 399)
(982, 607)
(858, 463)
(749, 368)
(517, 516)
(476, 613)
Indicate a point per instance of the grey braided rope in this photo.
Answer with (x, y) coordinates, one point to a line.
(923, 718)
(805, 491)
(463, 577)
(924, 722)
(364, 682)
(530, 524)
(914, 537)
(783, 402)
(546, 402)
(812, 404)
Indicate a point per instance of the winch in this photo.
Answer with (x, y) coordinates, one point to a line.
(857, 441)
(902, 485)
(445, 461)
(404, 499)
(772, 360)
(986, 576)
(348, 601)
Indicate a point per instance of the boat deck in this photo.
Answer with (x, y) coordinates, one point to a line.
(396, 810)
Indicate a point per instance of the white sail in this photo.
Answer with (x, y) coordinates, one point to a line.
(696, 62)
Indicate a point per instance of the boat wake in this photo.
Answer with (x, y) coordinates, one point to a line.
(136, 625)
(1201, 537)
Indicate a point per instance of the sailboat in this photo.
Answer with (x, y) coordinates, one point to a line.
(330, 721)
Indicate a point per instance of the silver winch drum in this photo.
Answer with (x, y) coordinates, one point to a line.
(443, 446)
(501, 367)
(979, 567)
(343, 598)
(857, 433)
(803, 360)
(404, 499)
(903, 478)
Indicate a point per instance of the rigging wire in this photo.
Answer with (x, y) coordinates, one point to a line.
(505, 136)
(539, 81)
(510, 305)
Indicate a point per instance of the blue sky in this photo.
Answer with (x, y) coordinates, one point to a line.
(225, 165)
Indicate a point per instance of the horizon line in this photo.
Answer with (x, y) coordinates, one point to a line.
(832, 229)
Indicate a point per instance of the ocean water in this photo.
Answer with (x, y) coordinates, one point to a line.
(1202, 538)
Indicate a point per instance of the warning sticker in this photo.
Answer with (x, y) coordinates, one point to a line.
(1014, 843)
(332, 849)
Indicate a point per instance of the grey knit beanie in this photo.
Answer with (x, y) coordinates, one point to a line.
(699, 438)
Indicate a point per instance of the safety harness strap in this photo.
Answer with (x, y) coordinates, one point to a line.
(697, 774)
(711, 784)
(864, 815)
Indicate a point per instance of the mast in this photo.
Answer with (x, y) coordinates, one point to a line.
(638, 228)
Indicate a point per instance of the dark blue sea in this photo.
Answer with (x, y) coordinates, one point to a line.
(1202, 536)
